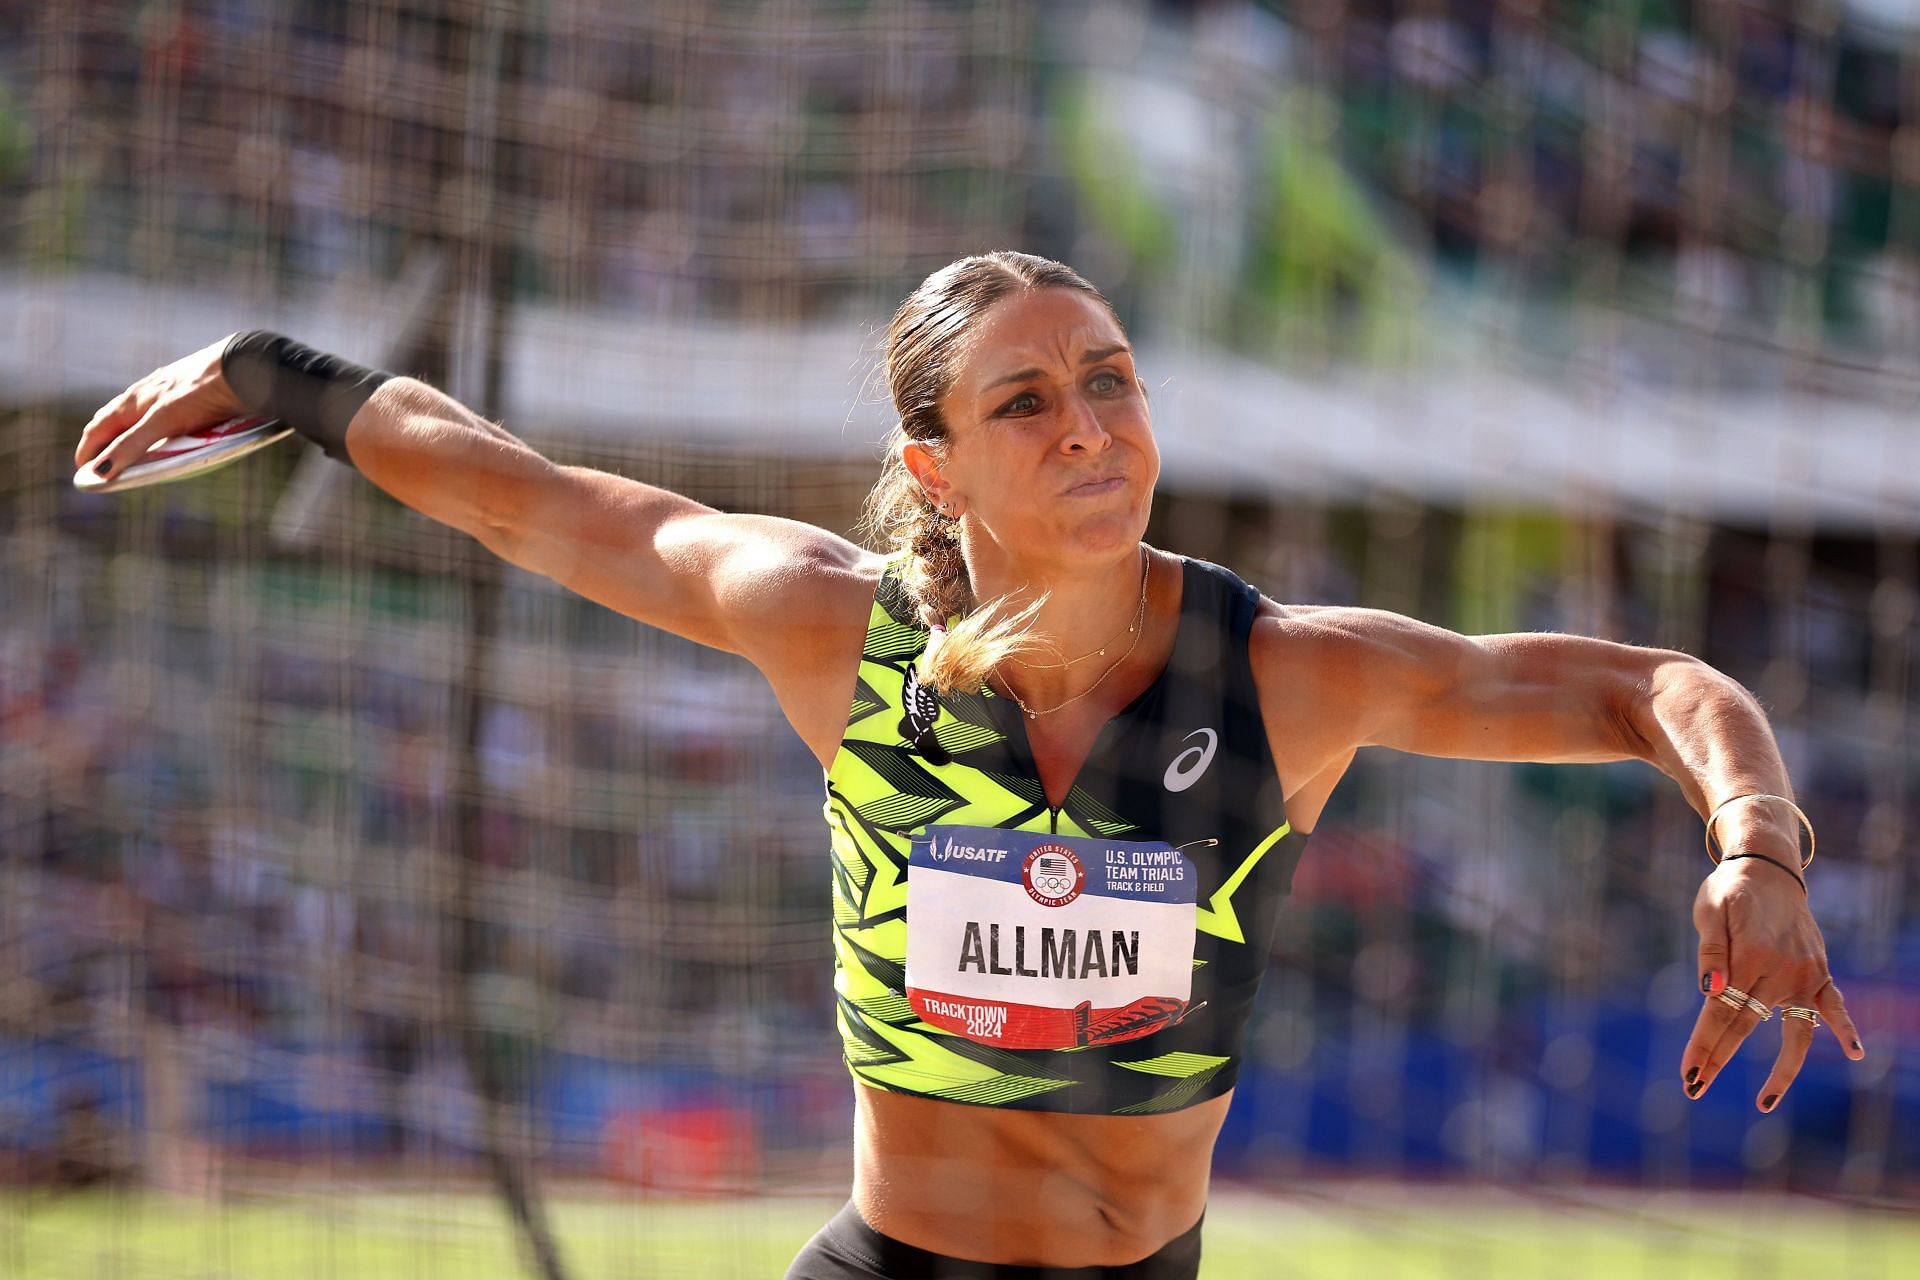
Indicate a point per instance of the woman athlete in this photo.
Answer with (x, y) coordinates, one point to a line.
(1068, 774)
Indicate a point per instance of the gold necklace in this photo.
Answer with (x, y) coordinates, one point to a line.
(1138, 628)
(1101, 652)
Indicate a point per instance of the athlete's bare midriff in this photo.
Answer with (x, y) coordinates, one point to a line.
(1030, 1187)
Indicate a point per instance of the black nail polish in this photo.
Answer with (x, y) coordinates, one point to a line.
(1693, 1090)
(1766, 1103)
(1706, 984)
(1693, 1073)
(1857, 1048)
(103, 466)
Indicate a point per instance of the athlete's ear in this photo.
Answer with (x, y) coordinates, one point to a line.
(925, 469)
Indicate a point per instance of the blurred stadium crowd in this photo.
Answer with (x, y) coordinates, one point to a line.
(227, 774)
(1252, 170)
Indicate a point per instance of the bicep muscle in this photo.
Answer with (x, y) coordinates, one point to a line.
(1393, 681)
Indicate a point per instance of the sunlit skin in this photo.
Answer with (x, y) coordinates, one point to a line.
(1050, 466)
(1050, 469)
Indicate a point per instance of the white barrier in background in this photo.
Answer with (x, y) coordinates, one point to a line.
(1224, 422)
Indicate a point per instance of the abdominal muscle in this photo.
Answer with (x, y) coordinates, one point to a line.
(1038, 1188)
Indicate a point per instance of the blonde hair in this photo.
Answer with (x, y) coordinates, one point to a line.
(924, 344)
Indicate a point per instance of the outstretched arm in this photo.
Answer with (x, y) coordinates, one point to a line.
(1380, 679)
(786, 595)
(743, 583)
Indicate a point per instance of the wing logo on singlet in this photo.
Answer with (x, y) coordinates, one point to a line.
(1063, 942)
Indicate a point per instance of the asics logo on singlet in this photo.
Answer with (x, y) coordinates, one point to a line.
(1191, 763)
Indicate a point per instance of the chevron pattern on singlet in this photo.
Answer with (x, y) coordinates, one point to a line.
(880, 790)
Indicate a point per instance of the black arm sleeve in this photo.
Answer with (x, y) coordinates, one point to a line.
(314, 393)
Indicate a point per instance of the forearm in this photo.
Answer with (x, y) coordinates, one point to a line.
(444, 460)
(611, 539)
(1705, 731)
(421, 446)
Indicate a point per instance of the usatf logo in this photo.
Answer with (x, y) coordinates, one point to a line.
(1053, 875)
(964, 852)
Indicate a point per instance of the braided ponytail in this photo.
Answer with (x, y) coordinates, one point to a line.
(937, 573)
(978, 638)
(923, 345)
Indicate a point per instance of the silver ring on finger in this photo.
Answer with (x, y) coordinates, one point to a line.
(1811, 1016)
(1735, 998)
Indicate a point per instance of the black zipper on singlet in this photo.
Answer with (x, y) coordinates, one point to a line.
(1053, 820)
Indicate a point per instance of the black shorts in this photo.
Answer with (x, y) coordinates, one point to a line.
(848, 1249)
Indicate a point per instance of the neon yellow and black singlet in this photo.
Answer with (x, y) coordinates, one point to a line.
(1100, 958)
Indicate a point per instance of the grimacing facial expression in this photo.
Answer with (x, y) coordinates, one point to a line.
(1050, 442)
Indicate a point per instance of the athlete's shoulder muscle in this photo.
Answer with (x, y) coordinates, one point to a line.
(1299, 657)
(797, 607)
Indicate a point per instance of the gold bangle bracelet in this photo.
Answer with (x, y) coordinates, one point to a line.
(1713, 849)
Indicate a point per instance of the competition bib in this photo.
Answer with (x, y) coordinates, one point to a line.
(1033, 941)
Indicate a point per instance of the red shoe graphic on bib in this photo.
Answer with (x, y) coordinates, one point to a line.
(1141, 1018)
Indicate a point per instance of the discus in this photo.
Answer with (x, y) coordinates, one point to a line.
(182, 457)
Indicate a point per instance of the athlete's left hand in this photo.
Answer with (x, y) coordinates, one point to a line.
(1757, 935)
